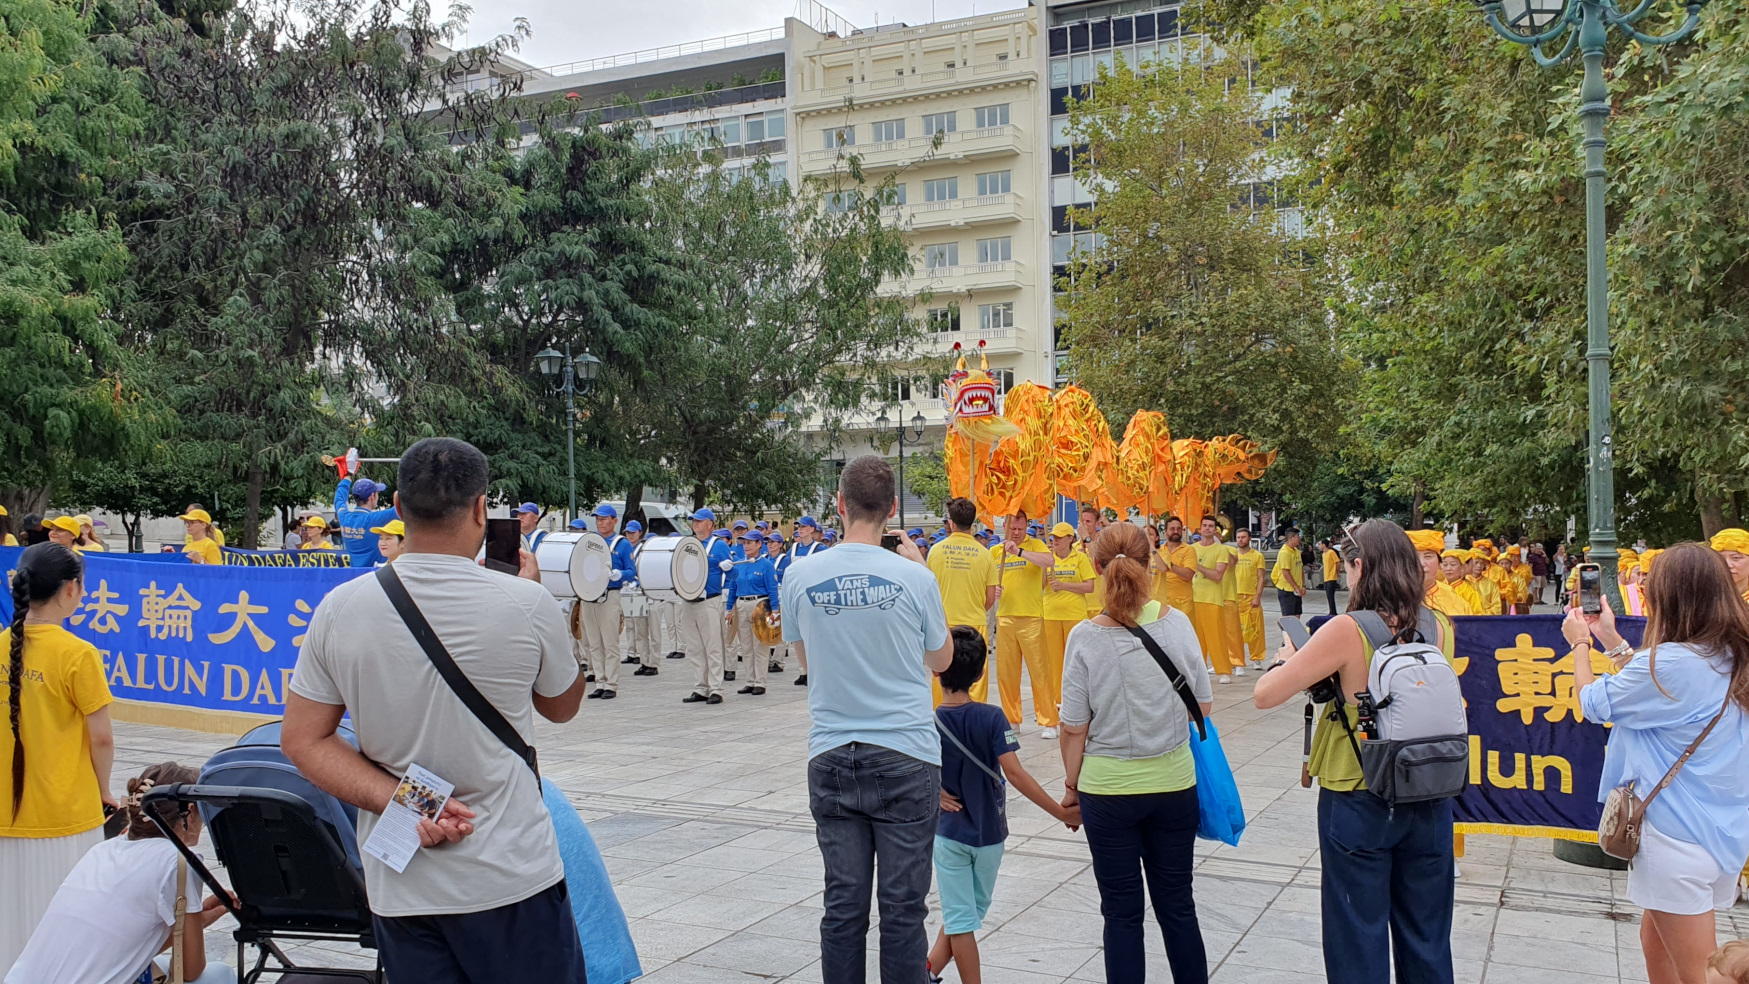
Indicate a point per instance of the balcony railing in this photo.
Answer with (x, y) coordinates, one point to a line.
(989, 141)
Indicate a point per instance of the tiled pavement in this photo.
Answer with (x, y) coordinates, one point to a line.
(702, 815)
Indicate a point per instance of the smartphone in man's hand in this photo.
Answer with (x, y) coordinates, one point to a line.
(504, 545)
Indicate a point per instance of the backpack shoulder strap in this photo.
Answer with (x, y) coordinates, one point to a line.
(1373, 626)
(452, 674)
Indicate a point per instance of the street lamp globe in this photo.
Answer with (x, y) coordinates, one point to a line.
(588, 367)
(883, 423)
(918, 424)
(549, 360)
(1530, 16)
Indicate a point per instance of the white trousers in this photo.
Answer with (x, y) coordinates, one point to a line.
(601, 639)
(701, 631)
(754, 658)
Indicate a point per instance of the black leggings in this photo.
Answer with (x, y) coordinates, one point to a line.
(1330, 594)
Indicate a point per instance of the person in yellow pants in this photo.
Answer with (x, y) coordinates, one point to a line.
(1068, 585)
(1174, 568)
(966, 575)
(1249, 565)
(1020, 624)
(1209, 601)
(1232, 626)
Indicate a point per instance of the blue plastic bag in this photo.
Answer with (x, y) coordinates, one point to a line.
(1221, 815)
(601, 923)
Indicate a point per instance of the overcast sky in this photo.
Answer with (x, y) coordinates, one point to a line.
(566, 30)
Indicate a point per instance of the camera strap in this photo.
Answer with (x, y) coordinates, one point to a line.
(452, 674)
(1178, 682)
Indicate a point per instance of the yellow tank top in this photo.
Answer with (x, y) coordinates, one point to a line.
(1333, 761)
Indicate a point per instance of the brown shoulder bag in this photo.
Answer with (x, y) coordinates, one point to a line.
(1624, 814)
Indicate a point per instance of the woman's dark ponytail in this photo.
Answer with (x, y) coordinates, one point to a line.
(42, 571)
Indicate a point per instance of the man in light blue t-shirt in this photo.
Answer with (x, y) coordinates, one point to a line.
(869, 625)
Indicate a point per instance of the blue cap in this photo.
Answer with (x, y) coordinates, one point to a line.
(774, 537)
(364, 488)
(704, 514)
(809, 522)
(722, 533)
(831, 534)
(754, 537)
(579, 523)
(607, 510)
(527, 507)
(762, 525)
(938, 537)
(914, 531)
(633, 526)
(740, 524)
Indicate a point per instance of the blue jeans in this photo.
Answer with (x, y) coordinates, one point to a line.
(874, 803)
(1151, 835)
(1388, 888)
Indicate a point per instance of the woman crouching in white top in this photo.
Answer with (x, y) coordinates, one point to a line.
(117, 908)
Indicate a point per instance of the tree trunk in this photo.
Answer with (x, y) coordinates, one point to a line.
(1712, 512)
(634, 502)
(1739, 508)
(132, 526)
(698, 496)
(252, 509)
(1415, 504)
(22, 502)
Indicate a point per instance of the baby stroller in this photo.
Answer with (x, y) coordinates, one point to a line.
(291, 851)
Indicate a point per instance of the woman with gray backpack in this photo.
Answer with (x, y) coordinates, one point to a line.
(1390, 752)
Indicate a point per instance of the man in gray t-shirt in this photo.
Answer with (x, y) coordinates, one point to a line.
(485, 899)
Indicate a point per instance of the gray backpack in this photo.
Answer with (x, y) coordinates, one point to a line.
(1417, 746)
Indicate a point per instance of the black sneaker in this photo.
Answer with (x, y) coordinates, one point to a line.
(676, 655)
(595, 694)
(749, 689)
(589, 679)
(714, 699)
(729, 676)
(756, 691)
(609, 694)
(694, 699)
(801, 680)
(628, 659)
(773, 668)
(645, 671)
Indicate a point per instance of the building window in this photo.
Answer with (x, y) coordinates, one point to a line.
(996, 250)
(940, 123)
(995, 183)
(1059, 131)
(1080, 70)
(1004, 379)
(944, 319)
(994, 316)
(1065, 190)
(898, 389)
(941, 189)
(1060, 246)
(991, 116)
(839, 136)
(842, 201)
(1059, 72)
(899, 194)
(887, 130)
(774, 125)
(941, 255)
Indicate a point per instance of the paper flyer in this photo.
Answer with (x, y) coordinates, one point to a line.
(395, 838)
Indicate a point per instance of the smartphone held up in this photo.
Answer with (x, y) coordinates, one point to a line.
(1590, 589)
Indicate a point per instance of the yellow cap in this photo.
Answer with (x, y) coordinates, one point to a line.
(1428, 541)
(1514, 551)
(1731, 539)
(1062, 529)
(316, 522)
(1647, 558)
(3, 511)
(62, 523)
(393, 527)
(197, 515)
(1455, 554)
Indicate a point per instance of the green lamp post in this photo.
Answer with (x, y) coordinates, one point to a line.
(1585, 25)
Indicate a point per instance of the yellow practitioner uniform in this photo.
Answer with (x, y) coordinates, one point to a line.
(1232, 627)
(1467, 591)
(1063, 611)
(1020, 631)
(1249, 563)
(1208, 609)
(1441, 598)
(1169, 588)
(1488, 592)
(1096, 600)
(963, 571)
(206, 549)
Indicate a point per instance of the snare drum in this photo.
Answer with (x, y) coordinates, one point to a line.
(672, 568)
(574, 565)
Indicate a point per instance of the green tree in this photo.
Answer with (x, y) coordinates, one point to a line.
(67, 392)
(926, 476)
(1196, 299)
(285, 159)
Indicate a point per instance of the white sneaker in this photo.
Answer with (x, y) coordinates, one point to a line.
(1223, 678)
(1048, 733)
(1238, 671)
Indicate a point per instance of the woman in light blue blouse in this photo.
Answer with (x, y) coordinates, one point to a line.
(1696, 833)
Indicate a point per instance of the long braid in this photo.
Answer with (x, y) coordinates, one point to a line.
(15, 680)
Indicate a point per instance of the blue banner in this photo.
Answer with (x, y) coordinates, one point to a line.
(286, 558)
(1535, 762)
(203, 636)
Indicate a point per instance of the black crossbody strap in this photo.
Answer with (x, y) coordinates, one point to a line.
(451, 673)
(950, 736)
(1178, 682)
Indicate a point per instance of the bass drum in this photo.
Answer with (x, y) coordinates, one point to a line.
(574, 565)
(673, 568)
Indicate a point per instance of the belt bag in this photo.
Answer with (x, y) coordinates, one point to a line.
(452, 674)
(1624, 814)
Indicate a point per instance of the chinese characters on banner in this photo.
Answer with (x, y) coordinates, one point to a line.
(211, 637)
